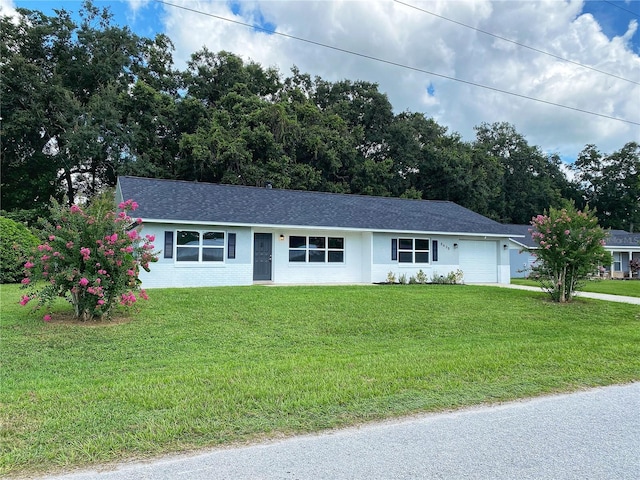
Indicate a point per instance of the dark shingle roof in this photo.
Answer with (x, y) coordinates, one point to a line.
(516, 230)
(616, 238)
(206, 202)
(620, 238)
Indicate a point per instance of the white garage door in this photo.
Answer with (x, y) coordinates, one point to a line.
(479, 261)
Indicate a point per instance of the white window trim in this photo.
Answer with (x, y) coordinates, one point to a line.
(413, 251)
(326, 251)
(200, 247)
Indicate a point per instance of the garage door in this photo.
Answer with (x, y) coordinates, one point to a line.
(479, 261)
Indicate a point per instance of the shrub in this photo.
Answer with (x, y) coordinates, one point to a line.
(16, 241)
(570, 247)
(451, 278)
(91, 258)
(391, 277)
(421, 277)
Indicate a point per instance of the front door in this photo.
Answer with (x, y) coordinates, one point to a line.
(262, 256)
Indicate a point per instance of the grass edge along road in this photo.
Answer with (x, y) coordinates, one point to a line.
(197, 368)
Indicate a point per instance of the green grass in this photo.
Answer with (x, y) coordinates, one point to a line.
(196, 368)
(629, 288)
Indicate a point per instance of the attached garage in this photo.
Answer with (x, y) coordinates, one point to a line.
(479, 261)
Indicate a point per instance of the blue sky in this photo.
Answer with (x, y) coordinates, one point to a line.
(614, 17)
(600, 34)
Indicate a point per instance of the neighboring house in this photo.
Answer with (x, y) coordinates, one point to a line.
(520, 260)
(624, 247)
(213, 234)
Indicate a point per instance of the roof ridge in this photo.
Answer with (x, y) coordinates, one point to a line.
(232, 185)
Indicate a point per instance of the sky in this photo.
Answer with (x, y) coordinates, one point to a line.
(539, 65)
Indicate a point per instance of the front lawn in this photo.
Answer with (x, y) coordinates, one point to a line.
(198, 368)
(629, 288)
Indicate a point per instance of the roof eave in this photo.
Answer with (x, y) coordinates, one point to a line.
(323, 227)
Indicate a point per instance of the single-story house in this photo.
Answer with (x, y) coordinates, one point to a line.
(212, 234)
(624, 247)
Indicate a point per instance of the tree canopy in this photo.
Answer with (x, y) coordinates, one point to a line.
(84, 102)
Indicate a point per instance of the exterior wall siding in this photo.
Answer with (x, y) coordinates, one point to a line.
(350, 271)
(367, 259)
(166, 272)
(382, 263)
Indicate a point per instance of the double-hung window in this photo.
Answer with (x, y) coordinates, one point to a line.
(410, 250)
(316, 249)
(199, 246)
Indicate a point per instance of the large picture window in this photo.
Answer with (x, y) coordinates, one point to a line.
(199, 246)
(316, 249)
(410, 250)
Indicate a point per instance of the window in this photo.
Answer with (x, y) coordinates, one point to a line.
(410, 250)
(196, 246)
(617, 262)
(316, 249)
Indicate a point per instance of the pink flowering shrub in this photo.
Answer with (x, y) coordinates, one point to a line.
(570, 247)
(90, 257)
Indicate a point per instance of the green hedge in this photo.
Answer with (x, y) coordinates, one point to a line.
(16, 241)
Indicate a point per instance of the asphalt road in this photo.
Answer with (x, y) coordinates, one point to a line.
(593, 434)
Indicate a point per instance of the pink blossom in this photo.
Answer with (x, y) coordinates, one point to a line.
(132, 234)
(47, 318)
(75, 209)
(52, 238)
(567, 232)
(58, 227)
(56, 254)
(100, 302)
(151, 238)
(29, 265)
(69, 244)
(144, 295)
(25, 299)
(127, 299)
(134, 206)
(84, 282)
(26, 281)
(138, 221)
(131, 273)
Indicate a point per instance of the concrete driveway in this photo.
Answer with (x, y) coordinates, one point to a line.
(592, 434)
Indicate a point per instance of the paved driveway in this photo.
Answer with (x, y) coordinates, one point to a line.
(593, 434)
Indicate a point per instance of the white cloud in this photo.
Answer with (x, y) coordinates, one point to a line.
(8, 8)
(136, 5)
(397, 33)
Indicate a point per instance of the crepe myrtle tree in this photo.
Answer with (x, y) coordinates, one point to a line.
(90, 257)
(570, 247)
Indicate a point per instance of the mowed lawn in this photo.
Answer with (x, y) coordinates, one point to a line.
(195, 368)
(629, 288)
